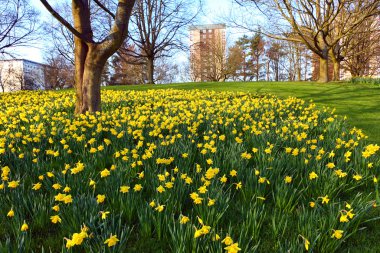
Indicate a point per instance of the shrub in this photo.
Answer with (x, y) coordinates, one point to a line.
(365, 80)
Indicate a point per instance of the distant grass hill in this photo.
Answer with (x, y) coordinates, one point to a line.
(359, 102)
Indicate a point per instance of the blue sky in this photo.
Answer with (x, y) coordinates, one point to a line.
(214, 11)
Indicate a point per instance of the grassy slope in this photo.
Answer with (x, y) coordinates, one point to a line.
(360, 103)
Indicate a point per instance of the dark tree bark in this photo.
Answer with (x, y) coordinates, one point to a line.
(59, 72)
(150, 70)
(276, 72)
(257, 69)
(91, 56)
(298, 63)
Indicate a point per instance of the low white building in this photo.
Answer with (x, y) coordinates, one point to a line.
(21, 74)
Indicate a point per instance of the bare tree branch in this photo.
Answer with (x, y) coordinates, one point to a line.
(91, 57)
(64, 22)
(105, 8)
(159, 27)
(18, 25)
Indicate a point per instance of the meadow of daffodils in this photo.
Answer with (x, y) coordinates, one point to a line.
(180, 171)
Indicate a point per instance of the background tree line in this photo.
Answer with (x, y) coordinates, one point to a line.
(299, 50)
(256, 58)
(317, 43)
(335, 31)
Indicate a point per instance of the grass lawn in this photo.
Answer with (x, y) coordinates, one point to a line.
(192, 170)
(360, 103)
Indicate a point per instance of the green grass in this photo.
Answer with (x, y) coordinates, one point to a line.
(365, 80)
(359, 102)
(277, 223)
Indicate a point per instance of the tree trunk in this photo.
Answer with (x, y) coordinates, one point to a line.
(336, 71)
(276, 71)
(323, 70)
(150, 70)
(257, 69)
(306, 68)
(80, 57)
(336, 65)
(354, 71)
(91, 56)
(91, 89)
(88, 76)
(245, 71)
(299, 78)
(298, 63)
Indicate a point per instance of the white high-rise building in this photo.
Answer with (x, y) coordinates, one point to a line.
(20, 74)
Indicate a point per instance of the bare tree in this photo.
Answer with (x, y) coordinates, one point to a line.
(362, 53)
(16, 78)
(126, 68)
(59, 72)
(158, 28)
(315, 23)
(184, 72)
(358, 51)
(166, 72)
(61, 39)
(18, 24)
(11, 76)
(91, 55)
(195, 68)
